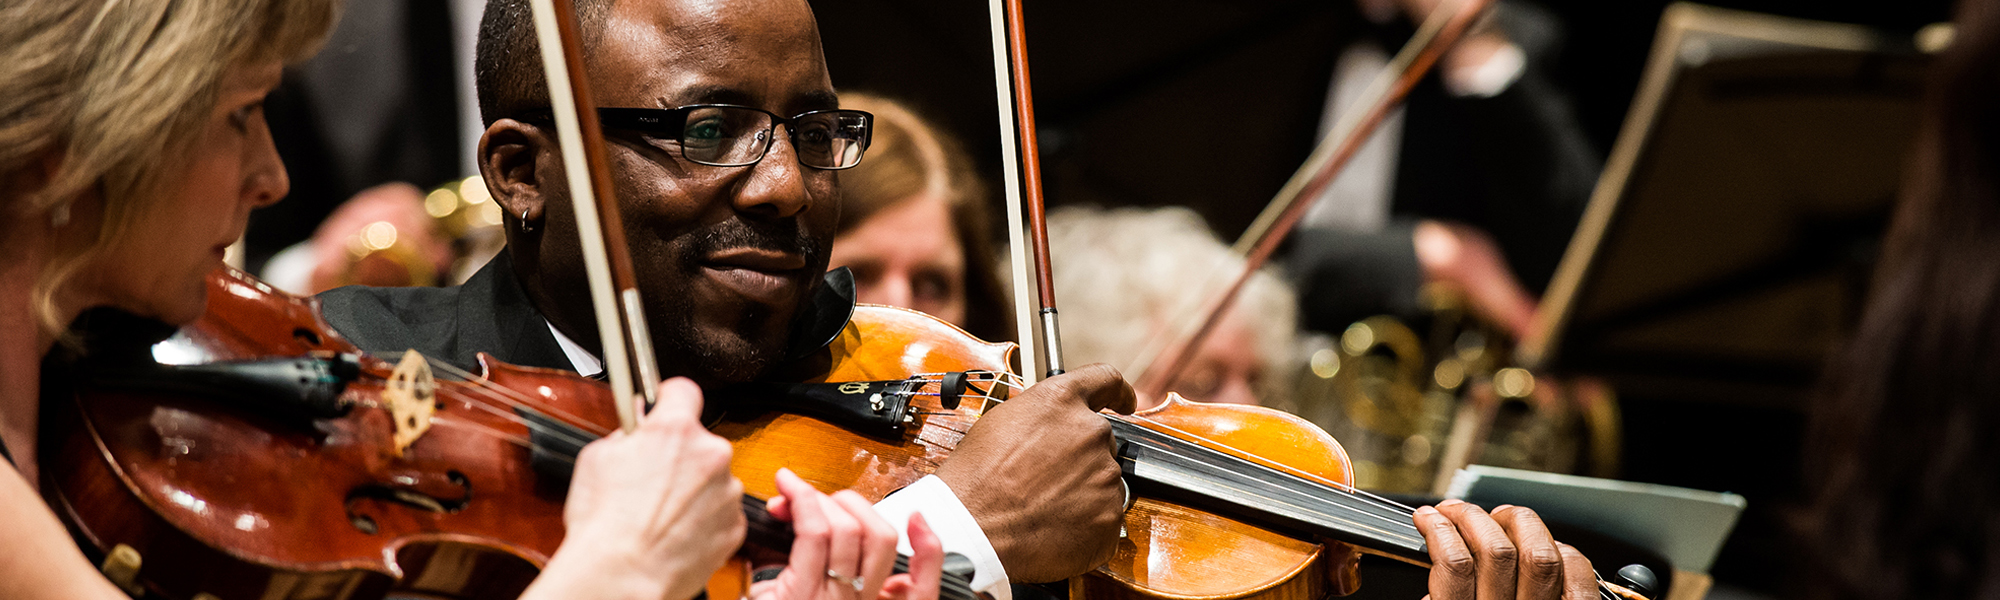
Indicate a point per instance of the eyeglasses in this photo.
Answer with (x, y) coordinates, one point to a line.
(727, 135)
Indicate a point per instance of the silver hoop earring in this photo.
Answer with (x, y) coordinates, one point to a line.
(525, 225)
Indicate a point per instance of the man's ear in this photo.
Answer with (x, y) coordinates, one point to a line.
(508, 155)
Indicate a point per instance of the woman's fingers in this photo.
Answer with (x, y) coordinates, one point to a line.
(877, 544)
(843, 551)
(810, 531)
(898, 587)
(679, 403)
(926, 560)
(780, 508)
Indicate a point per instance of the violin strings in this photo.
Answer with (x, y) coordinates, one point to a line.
(1276, 466)
(520, 399)
(1281, 468)
(486, 389)
(477, 401)
(1002, 378)
(557, 432)
(1313, 504)
(950, 428)
(1392, 528)
(482, 428)
(1404, 529)
(509, 397)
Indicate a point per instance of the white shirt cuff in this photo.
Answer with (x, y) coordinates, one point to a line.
(954, 526)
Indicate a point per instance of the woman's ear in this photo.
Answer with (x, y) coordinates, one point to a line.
(508, 154)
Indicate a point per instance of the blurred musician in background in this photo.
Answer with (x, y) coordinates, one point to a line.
(1476, 183)
(915, 224)
(381, 103)
(1124, 275)
(381, 237)
(1902, 445)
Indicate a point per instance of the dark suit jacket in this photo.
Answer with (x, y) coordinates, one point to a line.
(490, 313)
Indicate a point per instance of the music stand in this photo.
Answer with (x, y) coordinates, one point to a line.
(1726, 248)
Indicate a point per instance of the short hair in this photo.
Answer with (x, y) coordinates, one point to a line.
(507, 62)
(1123, 275)
(119, 92)
(909, 157)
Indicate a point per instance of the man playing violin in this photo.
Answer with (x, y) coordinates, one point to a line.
(729, 212)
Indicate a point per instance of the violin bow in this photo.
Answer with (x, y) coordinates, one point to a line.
(607, 260)
(1022, 171)
(1440, 32)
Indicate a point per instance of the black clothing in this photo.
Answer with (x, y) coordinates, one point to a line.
(1517, 166)
(490, 313)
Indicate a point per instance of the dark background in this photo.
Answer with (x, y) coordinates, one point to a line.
(1242, 81)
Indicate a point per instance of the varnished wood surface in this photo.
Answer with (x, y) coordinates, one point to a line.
(240, 506)
(879, 343)
(1171, 551)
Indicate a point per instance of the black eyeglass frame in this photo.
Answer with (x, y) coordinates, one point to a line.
(671, 123)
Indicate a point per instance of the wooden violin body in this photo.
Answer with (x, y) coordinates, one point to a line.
(1173, 551)
(879, 343)
(210, 498)
(217, 501)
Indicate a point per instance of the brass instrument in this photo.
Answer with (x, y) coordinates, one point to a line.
(379, 254)
(1412, 409)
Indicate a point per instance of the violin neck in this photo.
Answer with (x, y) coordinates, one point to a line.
(765, 532)
(1162, 466)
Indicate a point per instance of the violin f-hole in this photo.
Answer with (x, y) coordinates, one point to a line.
(408, 493)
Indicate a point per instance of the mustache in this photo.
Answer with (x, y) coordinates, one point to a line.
(777, 236)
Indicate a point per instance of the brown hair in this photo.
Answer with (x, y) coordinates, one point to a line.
(907, 158)
(117, 90)
(1904, 444)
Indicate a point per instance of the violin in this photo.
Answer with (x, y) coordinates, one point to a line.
(282, 462)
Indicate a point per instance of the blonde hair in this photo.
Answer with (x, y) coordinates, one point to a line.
(1122, 274)
(117, 91)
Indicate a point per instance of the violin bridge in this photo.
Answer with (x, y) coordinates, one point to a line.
(411, 397)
